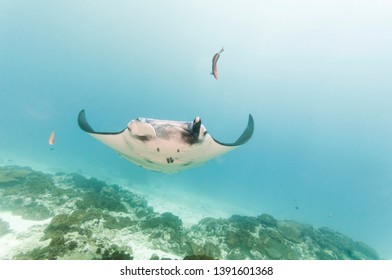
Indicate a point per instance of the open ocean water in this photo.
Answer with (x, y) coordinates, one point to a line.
(315, 75)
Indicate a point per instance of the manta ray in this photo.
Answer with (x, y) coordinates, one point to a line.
(164, 145)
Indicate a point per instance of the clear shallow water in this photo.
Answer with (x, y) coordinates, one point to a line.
(315, 77)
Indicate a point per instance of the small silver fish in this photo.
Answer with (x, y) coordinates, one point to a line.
(214, 62)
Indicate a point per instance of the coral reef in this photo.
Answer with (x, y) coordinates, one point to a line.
(12, 174)
(23, 192)
(4, 228)
(89, 219)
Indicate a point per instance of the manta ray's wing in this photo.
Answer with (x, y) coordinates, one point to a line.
(114, 140)
(245, 136)
(165, 146)
(212, 148)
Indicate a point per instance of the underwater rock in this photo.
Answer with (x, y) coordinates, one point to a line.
(71, 234)
(24, 196)
(280, 250)
(85, 184)
(290, 231)
(94, 220)
(12, 174)
(96, 194)
(166, 220)
(208, 238)
(100, 201)
(31, 187)
(116, 253)
(75, 222)
(56, 248)
(239, 238)
(236, 254)
(243, 222)
(213, 225)
(165, 232)
(33, 211)
(267, 220)
(198, 257)
(339, 246)
(154, 257)
(37, 184)
(134, 201)
(4, 228)
(62, 224)
(207, 248)
(363, 252)
(118, 222)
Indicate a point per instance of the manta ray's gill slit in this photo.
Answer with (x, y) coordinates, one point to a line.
(149, 161)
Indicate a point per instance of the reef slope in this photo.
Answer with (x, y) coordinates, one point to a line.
(69, 216)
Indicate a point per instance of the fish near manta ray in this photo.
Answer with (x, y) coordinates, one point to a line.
(163, 145)
(51, 138)
(214, 62)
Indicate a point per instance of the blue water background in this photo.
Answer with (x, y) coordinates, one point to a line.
(316, 75)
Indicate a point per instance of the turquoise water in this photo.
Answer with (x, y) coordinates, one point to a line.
(315, 76)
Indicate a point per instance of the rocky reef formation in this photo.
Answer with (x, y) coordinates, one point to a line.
(264, 237)
(4, 228)
(89, 219)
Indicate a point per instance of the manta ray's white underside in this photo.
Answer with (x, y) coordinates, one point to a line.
(165, 146)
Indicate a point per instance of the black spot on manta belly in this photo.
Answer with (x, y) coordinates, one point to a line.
(158, 149)
(169, 160)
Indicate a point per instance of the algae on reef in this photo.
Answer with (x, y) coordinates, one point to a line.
(93, 220)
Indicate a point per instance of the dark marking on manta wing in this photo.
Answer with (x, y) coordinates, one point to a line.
(143, 138)
(188, 137)
(191, 134)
